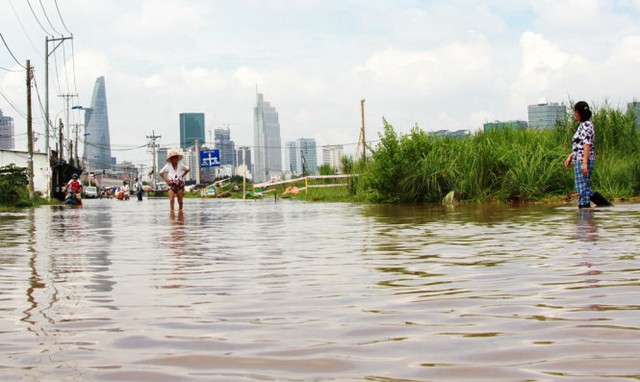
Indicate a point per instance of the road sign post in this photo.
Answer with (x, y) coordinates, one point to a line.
(209, 158)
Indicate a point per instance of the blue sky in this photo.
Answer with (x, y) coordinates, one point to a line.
(438, 64)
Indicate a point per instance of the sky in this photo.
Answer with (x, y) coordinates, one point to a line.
(438, 65)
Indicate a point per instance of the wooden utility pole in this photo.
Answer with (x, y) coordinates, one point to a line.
(29, 131)
(361, 138)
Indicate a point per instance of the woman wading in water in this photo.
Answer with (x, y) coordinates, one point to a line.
(583, 157)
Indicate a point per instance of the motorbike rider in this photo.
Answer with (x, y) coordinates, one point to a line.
(74, 188)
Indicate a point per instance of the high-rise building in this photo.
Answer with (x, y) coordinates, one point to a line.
(7, 133)
(223, 142)
(332, 156)
(301, 156)
(308, 155)
(244, 157)
(634, 107)
(97, 143)
(266, 140)
(545, 115)
(291, 158)
(191, 129)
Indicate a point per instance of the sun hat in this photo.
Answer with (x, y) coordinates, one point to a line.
(174, 153)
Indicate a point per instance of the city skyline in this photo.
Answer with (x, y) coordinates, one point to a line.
(438, 64)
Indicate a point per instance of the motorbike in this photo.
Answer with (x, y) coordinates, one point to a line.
(72, 200)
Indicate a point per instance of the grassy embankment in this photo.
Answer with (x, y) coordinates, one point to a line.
(506, 165)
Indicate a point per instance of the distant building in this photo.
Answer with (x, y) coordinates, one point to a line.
(7, 133)
(97, 142)
(266, 140)
(332, 156)
(191, 129)
(302, 156)
(501, 125)
(634, 107)
(453, 134)
(243, 157)
(546, 115)
(291, 158)
(223, 142)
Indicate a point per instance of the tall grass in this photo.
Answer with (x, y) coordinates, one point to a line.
(509, 164)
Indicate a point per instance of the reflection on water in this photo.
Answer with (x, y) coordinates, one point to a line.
(290, 291)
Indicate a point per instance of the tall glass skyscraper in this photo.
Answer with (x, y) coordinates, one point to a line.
(266, 141)
(191, 129)
(97, 143)
(7, 133)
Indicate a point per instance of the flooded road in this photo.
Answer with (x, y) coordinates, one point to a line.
(292, 291)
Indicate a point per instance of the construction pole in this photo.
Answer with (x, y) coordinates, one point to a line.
(29, 131)
(364, 141)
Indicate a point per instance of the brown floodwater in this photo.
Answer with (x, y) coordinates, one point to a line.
(292, 291)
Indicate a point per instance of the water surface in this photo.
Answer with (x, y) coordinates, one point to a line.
(292, 291)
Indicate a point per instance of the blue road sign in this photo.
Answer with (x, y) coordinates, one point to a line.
(209, 158)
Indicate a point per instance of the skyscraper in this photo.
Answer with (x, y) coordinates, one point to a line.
(545, 115)
(244, 156)
(266, 141)
(191, 129)
(97, 143)
(301, 156)
(7, 133)
(223, 142)
(307, 152)
(291, 158)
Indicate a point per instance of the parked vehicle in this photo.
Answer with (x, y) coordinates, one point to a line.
(90, 192)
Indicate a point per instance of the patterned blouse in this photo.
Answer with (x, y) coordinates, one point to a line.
(585, 135)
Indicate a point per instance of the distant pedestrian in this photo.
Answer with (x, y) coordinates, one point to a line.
(173, 173)
(139, 189)
(583, 157)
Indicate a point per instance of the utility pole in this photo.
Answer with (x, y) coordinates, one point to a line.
(361, 138)
(197, 162)
(153, 147)
(29, 130)
(61, 138)
(67, 132)
(47, 123)
(77, 129)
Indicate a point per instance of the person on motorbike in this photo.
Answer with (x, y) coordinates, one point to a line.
(74, 189)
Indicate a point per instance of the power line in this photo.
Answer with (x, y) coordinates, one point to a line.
(23, 29)
(10, 52)
(37, 19)
(47, 17)
(61, 19)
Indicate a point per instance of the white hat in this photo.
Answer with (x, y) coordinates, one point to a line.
(174, 153)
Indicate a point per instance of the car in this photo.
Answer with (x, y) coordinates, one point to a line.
(90, 192)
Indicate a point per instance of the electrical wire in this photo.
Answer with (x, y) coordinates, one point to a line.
(24, 30)
(61, 19)
(37, 19)
(47, 17)
(11, 53)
